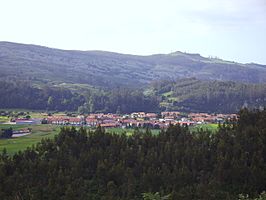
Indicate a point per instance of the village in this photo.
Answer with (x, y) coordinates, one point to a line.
(137, 119)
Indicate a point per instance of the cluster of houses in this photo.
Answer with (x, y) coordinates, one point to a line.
(139, 119)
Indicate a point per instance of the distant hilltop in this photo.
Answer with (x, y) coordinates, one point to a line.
(99, 68)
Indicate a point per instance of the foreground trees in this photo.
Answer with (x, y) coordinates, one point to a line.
(176, 163)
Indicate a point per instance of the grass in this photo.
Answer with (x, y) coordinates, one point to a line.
(14, 126)
(149, 92)
(32, 113)
(39, 132)
(164, 104)
(173, 99)
(210, 127)
(168, 94)
(3, 119)
(38, 115)
(20, 110)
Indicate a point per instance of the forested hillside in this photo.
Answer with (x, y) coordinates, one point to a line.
(79, 164)
(78, 98)
(35, 77)
(42, 65)
(195, 95)
(189, 95)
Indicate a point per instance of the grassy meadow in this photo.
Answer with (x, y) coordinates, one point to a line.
(39, 132)
(210, 127)
(3, 119)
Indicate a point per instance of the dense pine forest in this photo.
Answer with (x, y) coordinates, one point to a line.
(175, 164)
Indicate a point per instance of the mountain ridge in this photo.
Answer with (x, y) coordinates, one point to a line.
(111, 69)
(174, 53)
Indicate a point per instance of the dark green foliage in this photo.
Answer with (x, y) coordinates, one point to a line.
(6, 133)
(96, 165)
(21, 94)
(35, 77)
(193, 95)
(190, 95)
(262, 196)
(85, 81)
(43, 65)
(121, 100)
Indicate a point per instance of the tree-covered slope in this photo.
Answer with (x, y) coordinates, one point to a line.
(98, 81)
(195, 95)
(74, 97)
(190, 95)
(44, 65)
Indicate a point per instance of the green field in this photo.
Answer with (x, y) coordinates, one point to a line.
(38, 133)
(168, 94)
(3, 119)
(32, 113)
(210, 127)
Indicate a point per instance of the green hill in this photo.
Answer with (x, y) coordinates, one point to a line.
(42, 65)
(193, 95)
(36, 77)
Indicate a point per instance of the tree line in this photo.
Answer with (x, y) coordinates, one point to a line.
(188, 95)
(21, 94)
(193, 95)
(175, 164)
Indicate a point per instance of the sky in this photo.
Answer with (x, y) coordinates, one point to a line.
(233, 30)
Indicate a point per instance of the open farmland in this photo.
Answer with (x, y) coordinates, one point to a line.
(39, 132)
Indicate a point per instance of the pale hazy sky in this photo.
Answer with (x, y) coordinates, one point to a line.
(230, 29)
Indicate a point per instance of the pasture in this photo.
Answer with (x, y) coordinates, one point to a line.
(42, 131)
(39, 132)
